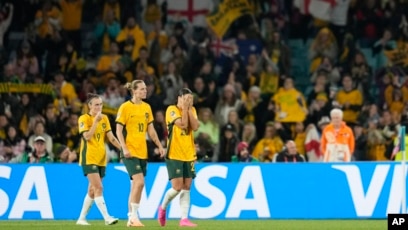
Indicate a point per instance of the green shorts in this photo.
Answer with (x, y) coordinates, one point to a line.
(177, 169)
(88, 169)
(135, 165)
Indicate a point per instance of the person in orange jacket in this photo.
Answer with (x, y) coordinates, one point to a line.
(337, 141)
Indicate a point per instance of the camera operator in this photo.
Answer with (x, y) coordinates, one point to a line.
(289, 154)
(37, 155)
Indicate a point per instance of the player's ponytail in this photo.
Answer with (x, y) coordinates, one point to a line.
(132, 85)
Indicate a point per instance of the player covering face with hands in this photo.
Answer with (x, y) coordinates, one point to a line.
(136, 117)
(181, 122)
(94, 128)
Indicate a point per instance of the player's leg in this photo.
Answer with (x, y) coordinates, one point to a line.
(189, 174)
(174, 169)
(137, 170)
(95, 179)
(86, 206)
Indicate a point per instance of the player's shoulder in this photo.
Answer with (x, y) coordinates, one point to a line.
(145, 104)
(105, 117)
(84, 116)
(126, 103)
(125, 106)
(172, 108)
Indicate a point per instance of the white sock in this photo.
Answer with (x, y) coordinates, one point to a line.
(86, 206)
(184, 203)
(170, 194)
(135, 207)
(100, 203)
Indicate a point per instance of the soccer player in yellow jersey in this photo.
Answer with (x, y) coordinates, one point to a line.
(181, 121)
(94, 128)
(136, 117)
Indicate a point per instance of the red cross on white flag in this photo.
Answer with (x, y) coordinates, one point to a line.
(194, 11)
(320, 9)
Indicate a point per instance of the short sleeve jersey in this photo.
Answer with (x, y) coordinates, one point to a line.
(180, 144)
(92, 151)
(135, 118)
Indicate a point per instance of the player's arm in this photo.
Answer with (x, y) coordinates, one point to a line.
(112, 139)
(182, 122)
(192, 119)
(89, 134)
(121, 139)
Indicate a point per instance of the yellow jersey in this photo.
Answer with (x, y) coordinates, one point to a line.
(71, 15)
(135, 118)
(93, 152)
(354, 98)
(180, 143)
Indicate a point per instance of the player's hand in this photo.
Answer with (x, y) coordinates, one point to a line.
(190, 101)
(98, 117)
(126, 153)
(186, 102)
(162, 152)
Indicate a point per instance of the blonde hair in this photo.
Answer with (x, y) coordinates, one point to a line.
(253, 133)
(132, 85)
(336, 112)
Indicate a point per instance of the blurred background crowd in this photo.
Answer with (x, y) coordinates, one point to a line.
(273, 76)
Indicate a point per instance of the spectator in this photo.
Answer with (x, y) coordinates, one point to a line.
(361, 74)
(350, 100)
(327, 68)
(71, 21)
(376, 143)
(270, 144)
(360, 152)
(3, 125)
(38, 155)
(114, 95)
(337, 139)
(132, 35)
(5, 20)
(289, 154)
(106, 31)
(229, 101)
(172, 82)
(205, 95)
(228, 143)
(290, 103)
(14, 144)
(108, 64)
(323, 45)
(209, 130)
(64, 155)
(26, 60)
(39, 130)
(249, 136)
(243, 154)
(48, 20)
(64, 88)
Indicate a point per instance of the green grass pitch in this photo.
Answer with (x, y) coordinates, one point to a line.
(204, 224)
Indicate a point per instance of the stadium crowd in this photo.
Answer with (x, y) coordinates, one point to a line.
(274, 77)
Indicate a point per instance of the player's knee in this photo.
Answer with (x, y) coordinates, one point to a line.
(138, 184)
(91, 192)
(97, 189)
(178, 188)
